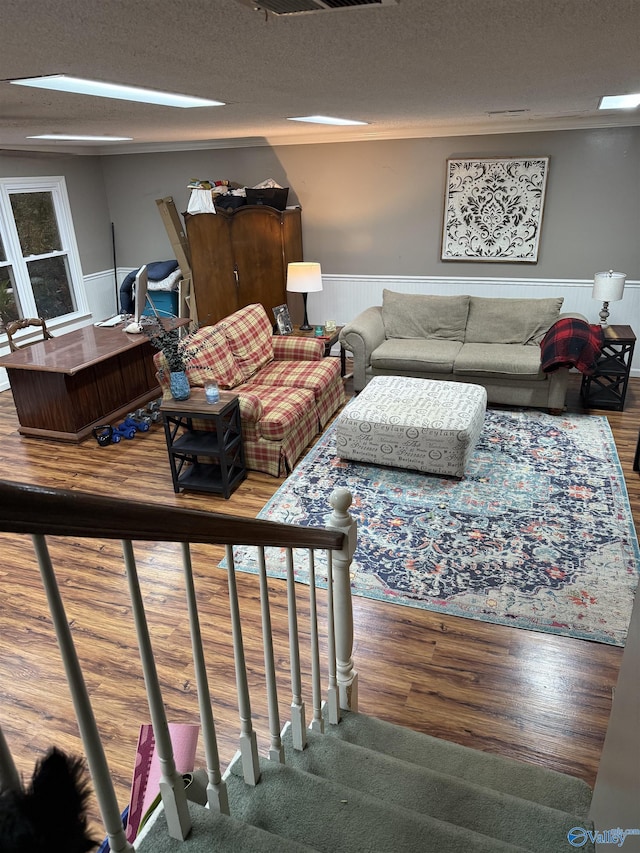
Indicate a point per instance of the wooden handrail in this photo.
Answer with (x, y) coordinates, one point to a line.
(32, 509)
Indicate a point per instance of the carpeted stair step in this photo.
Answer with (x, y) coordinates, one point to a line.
(528, 782)
(215, 832)
(523, 823)
(333, 818)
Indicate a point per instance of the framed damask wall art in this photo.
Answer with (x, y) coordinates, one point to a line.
(493, 209)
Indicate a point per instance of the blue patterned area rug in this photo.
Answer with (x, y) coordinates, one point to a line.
(537, 535)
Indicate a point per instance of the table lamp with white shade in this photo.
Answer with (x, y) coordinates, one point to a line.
(608, 286)
(304, 277)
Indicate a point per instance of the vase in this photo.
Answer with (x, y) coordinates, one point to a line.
(179, 385)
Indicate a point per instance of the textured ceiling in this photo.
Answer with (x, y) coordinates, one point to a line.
(420, 68)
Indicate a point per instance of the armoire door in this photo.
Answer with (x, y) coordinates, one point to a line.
(212, 266)
(257, 245)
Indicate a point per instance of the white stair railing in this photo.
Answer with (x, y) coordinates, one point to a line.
(39, 512)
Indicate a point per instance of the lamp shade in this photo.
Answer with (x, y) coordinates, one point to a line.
(608, 286)
(304, 277)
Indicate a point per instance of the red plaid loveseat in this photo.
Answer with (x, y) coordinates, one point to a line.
(287, 390)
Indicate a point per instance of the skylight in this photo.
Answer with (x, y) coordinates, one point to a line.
(62, 83)
(327, 120)
(619, 102)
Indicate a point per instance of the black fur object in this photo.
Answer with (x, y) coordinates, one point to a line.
(49, 815)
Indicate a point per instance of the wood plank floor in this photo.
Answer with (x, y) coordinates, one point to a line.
(532, 696)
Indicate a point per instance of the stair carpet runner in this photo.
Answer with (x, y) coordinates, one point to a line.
(367, 786)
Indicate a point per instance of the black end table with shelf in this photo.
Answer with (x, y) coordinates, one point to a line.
(606, 388)
(201, 459)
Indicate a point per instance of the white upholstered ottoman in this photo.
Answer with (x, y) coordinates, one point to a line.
(421, 424)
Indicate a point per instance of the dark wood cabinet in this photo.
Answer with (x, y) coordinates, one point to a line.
(240, 257)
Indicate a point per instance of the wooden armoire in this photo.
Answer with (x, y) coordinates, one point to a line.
(240, 257)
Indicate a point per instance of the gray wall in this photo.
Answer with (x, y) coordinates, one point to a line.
(375, 208)
(369, 208)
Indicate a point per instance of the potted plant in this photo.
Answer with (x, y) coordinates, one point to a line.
(177, 354)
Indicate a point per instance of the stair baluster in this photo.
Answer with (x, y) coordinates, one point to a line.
(340, 519)
(174, 798)
(96, 759)
(276, 749)
(9, 776)
(317, 723)
(298, 725)
(248, 740)
(216, 787)
(333, 698)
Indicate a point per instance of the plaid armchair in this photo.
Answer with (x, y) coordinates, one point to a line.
(287, 390)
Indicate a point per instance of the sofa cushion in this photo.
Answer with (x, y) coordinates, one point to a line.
(506, 360)
(416, 356)
(407, 315)
(213, 358)
(281, 413)
(249, 334)
(316, 376)
(510, 321)
(322, 378)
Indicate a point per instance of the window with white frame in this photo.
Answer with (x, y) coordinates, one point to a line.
(40, 273)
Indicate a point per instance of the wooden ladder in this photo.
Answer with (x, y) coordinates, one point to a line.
(180, 245)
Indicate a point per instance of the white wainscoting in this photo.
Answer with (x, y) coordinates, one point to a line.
(100, 289)
(343, 297)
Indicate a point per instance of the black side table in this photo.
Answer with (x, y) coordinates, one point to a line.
(607, 387)
(201, 459)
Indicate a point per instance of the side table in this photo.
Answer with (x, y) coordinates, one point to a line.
(329, 340)
(205, 460)
(607, 387)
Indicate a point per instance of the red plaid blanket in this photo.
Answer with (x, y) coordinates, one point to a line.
(571, 343)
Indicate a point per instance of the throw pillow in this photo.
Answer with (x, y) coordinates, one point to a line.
(249, 334)
(213, 359)
(407, 315)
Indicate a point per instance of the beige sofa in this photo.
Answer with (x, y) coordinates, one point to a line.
(493, 342)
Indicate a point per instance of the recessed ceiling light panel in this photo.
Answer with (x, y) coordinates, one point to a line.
(302, 7)
(69, 137)
(619, 102)
(327, 120)
(76, 85)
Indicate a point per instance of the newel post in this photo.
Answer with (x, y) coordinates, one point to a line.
(347, 676)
